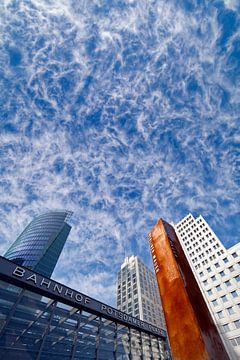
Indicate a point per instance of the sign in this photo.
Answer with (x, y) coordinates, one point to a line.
(35, 282)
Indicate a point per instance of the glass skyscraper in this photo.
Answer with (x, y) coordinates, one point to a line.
(40, 244)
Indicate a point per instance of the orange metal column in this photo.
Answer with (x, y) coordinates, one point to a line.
(192, 335)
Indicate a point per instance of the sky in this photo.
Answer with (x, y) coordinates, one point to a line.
(122, 111)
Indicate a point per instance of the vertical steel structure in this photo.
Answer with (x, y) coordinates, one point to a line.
(192, 332)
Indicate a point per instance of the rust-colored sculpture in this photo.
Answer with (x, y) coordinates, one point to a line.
(192, 332)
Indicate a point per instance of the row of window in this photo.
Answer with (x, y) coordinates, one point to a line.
(217, 265)
(222, 273)
(229, 310)
(225, 298)
(236, 325)
(227, 283)
(202, 242)
(219, 288)
(189, 218)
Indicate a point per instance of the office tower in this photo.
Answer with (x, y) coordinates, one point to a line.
(137, 292)
(191, 329)
(41, 242)
(217, 271)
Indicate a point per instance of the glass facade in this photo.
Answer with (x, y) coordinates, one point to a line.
(36, 324)
(40, 244)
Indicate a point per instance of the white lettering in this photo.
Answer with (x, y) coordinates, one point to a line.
(18, 271)
(69, 292)
(115, 312)
(58, 288)
(103, 307)
(45, 282)
(33, 278)
(109, 310)
(120, 315)
(78, 297)
(87, 300)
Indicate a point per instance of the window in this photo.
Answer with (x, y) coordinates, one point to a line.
(209, 292)
(225, 260)
(218, 288)
(236, 341)
(201, 273)
(234, 294)
(208, 269)
(237, 324)
(231, 268)
(227, 283)
(213, 278)
(222, 273)
(224, 298)
(237, 278)
(234, 254)
(205, 282)
(226, 327)
(217, 265)
(230, 311)
(220, 314)
(233, 342)
(214, 302)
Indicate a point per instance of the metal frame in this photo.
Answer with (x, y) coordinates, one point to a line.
(47, 324)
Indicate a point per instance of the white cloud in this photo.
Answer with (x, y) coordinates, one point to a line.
(161, 144)
(231, 4)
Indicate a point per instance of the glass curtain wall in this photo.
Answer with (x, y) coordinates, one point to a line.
(37, 327)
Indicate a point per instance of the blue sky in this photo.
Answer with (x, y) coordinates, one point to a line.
(123, 112)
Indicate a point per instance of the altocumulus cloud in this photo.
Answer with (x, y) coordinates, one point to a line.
(122, 113)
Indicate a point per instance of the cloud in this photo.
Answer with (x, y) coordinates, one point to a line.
(231, 4)
(122, 114)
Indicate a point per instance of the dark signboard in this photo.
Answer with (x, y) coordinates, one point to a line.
(27, 279)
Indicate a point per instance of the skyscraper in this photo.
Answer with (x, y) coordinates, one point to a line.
(41, 242)
(137, 292)
(217, 271)
(191, 329)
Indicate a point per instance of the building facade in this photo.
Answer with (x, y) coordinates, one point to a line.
(217, 271)
(137, 292)
(40, 244)
(41, 319)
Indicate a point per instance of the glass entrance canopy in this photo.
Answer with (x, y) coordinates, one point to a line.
(36, 326)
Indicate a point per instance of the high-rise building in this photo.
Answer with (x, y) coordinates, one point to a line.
(41, 242)
(191, 329)
(137, 292)
(217, 271)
